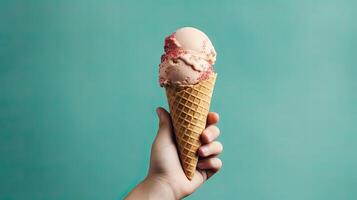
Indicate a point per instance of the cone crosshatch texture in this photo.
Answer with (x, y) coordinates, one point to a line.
(189, 107)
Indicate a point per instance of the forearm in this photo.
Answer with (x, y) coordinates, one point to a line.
(149, 189)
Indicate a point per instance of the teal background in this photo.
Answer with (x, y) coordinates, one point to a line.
(79, 88)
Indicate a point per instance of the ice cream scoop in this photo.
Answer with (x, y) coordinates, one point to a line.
(188, 58)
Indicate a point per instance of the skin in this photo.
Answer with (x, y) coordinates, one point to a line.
(166, 178)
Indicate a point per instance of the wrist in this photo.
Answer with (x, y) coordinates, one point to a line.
(158, 188)
(152, 188)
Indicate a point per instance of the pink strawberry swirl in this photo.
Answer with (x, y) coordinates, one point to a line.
(181, 65)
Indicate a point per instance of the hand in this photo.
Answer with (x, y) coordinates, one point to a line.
(166, 178)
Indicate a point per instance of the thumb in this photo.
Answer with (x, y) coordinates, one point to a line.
(165, 133)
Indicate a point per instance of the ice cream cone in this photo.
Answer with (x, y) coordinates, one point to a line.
(189, 107)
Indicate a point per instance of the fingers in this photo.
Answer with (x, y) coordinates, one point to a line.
(212, 118)
(210, 134)
(209, 164)
(213, 148)
(206, 168)
(212, 164)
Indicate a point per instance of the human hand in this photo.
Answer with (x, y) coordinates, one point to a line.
(166, 178)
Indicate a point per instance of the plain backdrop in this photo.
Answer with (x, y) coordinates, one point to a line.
(79, 88)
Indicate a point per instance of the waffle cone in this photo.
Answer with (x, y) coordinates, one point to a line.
(189, 107)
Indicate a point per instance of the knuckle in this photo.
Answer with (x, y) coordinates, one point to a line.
(218, 131)
(219, 164)
(211, 162)
(219, 146)
(215, 130)
(216, 163)
(212, 130)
